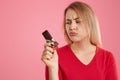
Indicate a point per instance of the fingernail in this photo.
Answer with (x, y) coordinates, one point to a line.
(47, 41)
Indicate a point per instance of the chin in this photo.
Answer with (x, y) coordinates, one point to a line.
(75, 40)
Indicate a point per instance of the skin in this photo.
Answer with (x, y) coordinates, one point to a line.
(51, 60)
(81, 45)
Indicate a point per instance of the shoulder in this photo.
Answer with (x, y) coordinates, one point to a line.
(63, 48)
(105, 55)
(104, 52)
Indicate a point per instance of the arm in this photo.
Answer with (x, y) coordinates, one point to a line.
(111, 73)
(51, 74)
(50, 58)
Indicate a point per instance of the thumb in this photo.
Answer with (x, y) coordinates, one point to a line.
(55, 53)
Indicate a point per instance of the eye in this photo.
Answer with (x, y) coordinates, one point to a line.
(78, 21)
(68, 22)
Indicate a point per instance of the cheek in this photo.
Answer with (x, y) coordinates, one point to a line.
(82, 31)
(66, 29)
(85, 33)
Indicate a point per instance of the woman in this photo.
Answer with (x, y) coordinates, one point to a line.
(83, 58)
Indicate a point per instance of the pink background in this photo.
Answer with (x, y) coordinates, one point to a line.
(23, 21)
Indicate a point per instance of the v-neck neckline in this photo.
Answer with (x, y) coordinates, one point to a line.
(79, 61)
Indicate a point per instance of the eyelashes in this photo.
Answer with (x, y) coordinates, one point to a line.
(70, 22)
(78, 21)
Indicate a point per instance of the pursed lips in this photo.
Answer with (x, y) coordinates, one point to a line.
(72, 33)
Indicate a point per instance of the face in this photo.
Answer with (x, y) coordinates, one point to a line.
(74, 26)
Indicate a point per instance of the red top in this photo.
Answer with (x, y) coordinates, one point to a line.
(102, 66)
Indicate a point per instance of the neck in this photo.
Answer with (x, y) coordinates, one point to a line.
(83, 45)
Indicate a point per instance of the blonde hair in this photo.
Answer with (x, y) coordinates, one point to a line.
(90, 19)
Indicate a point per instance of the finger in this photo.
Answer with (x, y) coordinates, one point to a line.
(47, 41)
(47, 44)
(47, 57)
(47, 53)
(45, 60)
(49, 49)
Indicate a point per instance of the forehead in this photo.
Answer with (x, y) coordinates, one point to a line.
(71, 14)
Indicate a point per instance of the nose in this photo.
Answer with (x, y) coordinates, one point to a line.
(73, 25)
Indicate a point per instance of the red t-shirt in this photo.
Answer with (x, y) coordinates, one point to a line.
(102, 66)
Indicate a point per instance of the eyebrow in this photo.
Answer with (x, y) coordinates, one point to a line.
(73, 19)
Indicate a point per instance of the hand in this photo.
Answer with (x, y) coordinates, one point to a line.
(49, 56)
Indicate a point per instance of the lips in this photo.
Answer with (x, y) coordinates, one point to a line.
(72, 34)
